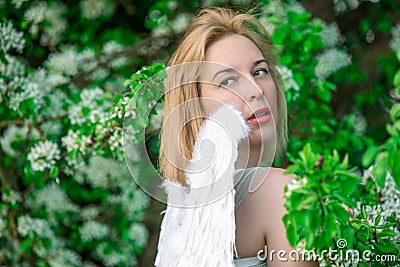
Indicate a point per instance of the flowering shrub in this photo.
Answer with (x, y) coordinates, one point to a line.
(68, 198)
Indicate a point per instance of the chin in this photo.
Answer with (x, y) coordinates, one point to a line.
(263, 135)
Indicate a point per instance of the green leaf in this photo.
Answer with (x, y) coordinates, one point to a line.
(394, 166)
(377, 220)
(53, 171)
(117, 97)
(291, 235)
(395, 112)
(341, 214)
(85, 111)
(27, 106)
(385, 245)
(356, 224)
(345, 200)
(369, 156)
(385, 233)
(330, 226)
(380, 168)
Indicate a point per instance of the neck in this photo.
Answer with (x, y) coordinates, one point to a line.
(254, 155)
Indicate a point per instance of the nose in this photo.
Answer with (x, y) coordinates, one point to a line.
(252, 90)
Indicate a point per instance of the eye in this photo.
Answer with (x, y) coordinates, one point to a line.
(260, 72)
(228, 81)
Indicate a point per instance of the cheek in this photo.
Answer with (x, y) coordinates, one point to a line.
(212, 98)
(271, 96)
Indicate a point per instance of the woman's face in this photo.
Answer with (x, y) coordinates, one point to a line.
(240, 76)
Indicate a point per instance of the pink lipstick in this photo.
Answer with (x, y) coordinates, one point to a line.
(260, 116)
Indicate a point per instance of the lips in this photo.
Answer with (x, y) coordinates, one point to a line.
(260, 116)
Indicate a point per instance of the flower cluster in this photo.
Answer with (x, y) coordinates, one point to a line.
(93, 9)
(395, 41)
(287, 78)
(295, 184)
(27, 225)
(330, 34)
(10, 38)
(89, 109)
(389, 202)
(331, 61)
(53, 198)
(43, 155)
(92, 230)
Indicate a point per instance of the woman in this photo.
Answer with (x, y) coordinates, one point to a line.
(242, 74)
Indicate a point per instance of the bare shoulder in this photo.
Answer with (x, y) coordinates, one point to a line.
(269, 196)
(277, 178)
(273, 184)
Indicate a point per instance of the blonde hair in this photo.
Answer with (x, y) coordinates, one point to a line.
(209, 26)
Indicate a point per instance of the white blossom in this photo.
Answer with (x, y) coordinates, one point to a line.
(269, 27)
(331, 61)
(156, 119)
(100, 74)
(344, 5)
(330, 34)
(27, 225)
(180, 22)
(12, 135)
(18, 3)
(295, 184)
(10, 38)
(89, 213)
(89, 101)
(161, 30)
(389, 202)
(395, 41)
(56, 109)
(111, 257)
(70, 140)
(99, 171)
(115, 140)
(14, 67)
(43, 155)
(63, 257)
(3, 227)
(93, 9)
(53, 33)
(113, 48)
(360, 123)
(36, 13)
(11, 197)
(139, 234)
(53, 198)
(73, 165)
(65, 62)
(31, 90)
(93, 230)
(288, 81)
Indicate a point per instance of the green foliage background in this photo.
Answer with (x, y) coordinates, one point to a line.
(68, 71)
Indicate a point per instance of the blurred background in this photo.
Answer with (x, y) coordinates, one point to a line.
(69, 69)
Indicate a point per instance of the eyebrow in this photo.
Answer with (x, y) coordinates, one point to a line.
(230, 70)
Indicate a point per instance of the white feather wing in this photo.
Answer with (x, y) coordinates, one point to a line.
(198, 228)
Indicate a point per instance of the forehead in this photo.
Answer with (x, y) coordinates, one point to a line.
(235, 51)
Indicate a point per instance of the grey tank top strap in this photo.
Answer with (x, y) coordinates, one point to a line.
(242, 180)
(249, 262)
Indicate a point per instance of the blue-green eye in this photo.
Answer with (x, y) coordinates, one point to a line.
(228, 81)
(260, 72)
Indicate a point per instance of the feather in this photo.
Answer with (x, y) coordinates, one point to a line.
(198, 228)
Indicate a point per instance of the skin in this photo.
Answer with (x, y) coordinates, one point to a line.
(249, 88)
(258, 218)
